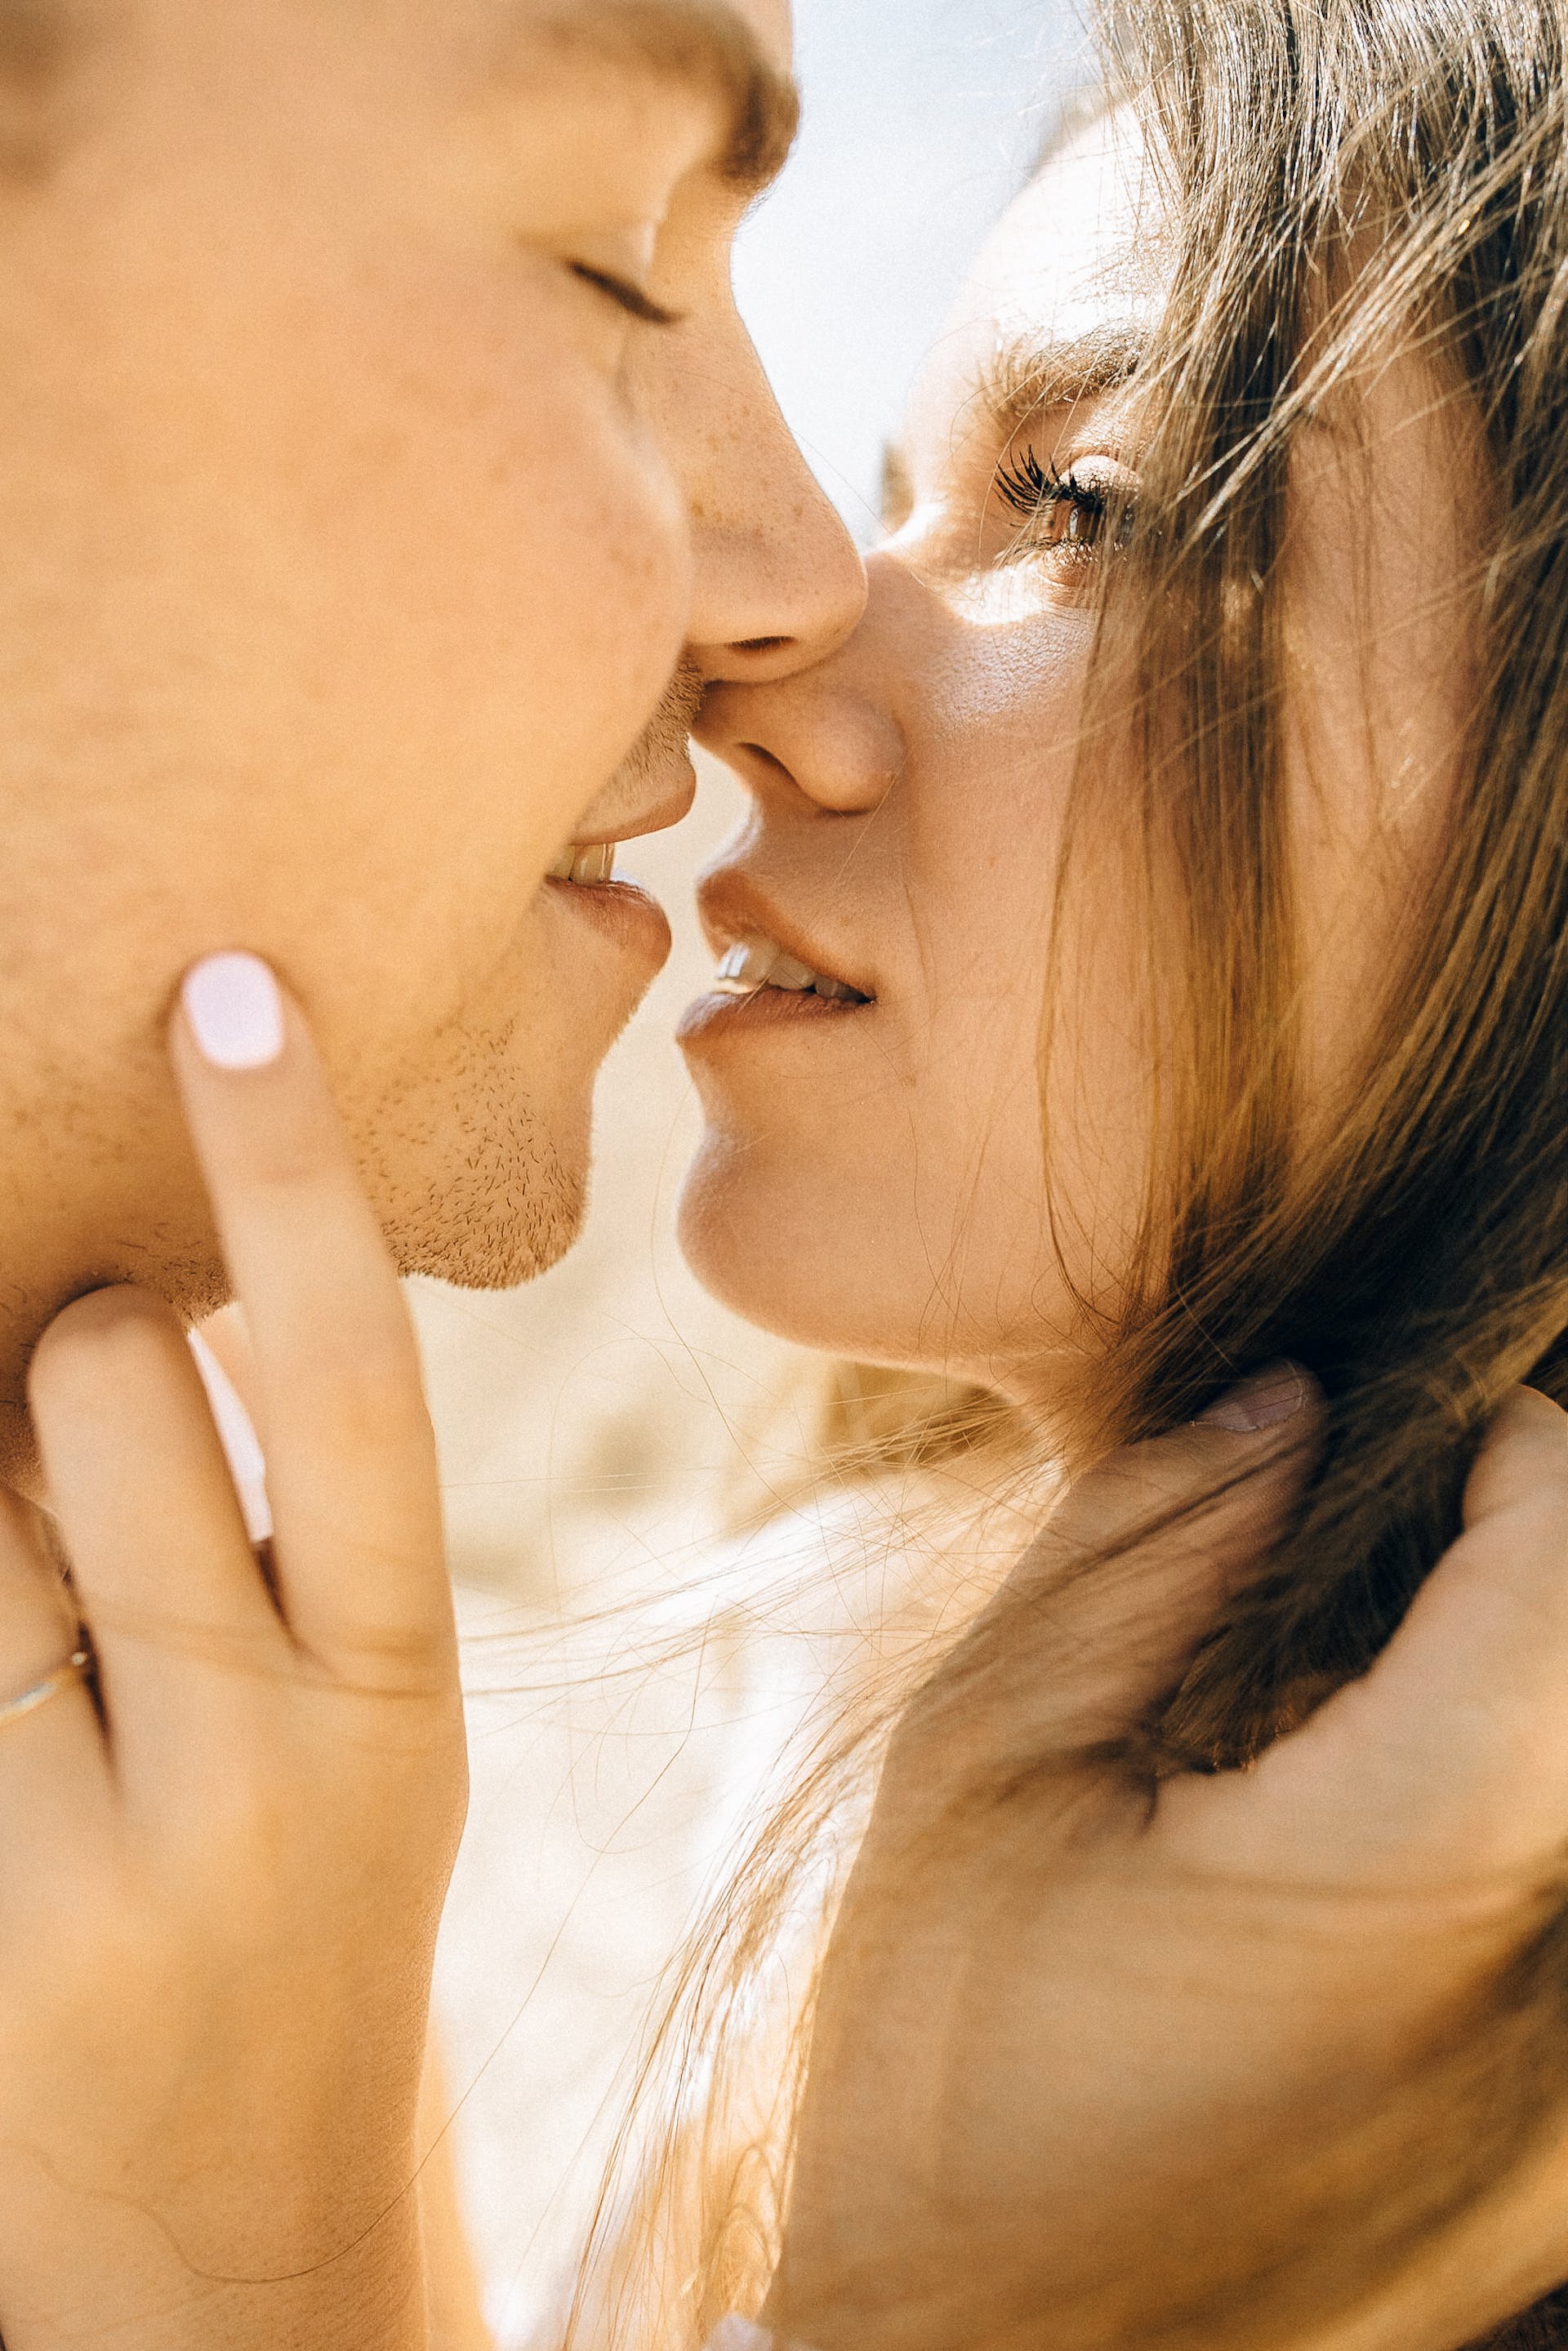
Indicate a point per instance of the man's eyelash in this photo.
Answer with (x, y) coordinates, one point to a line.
(630, 298)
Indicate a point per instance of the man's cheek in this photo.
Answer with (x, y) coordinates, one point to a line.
(637, 526)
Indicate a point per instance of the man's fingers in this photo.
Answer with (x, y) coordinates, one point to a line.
(350, 1459)
(1103, 1614)
(1447, 1762)
(151, 1525)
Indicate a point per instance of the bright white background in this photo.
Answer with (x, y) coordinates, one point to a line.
(922, 117)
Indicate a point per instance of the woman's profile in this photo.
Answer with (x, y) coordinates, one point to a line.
(1146, 960)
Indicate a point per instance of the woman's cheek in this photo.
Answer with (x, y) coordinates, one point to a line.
(1053, 1140)
(993, 777)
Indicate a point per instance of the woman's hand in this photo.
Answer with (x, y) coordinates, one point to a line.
(220, 1883)
(1269, 2058)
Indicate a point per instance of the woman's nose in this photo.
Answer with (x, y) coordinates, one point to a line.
(837, 732)
(819, 735)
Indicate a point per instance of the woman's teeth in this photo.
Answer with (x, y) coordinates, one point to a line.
(586, 865)
(749, 966)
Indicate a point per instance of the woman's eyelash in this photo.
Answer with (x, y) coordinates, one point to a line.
(630, 298)
(1034, 490)
(1042, 492)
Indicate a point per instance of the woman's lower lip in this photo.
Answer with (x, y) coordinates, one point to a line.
(768, 1007)
(625, 914)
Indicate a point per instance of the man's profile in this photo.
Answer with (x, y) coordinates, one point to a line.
(350, 477)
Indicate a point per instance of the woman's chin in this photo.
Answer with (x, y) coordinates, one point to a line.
(743, 1242)
(820, 1256)
(771, 1253)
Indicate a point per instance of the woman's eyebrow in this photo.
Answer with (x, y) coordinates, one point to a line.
(1026, 377)
(704, 43)
(1023, 378)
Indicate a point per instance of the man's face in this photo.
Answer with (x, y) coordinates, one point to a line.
(347, 509)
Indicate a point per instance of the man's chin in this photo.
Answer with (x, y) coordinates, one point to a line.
(472, 1184)
(485, 1234)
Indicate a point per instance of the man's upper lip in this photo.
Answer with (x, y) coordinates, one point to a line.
(733, 907)
(658, 816)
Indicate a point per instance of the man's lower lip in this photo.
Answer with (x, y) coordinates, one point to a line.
(769, 1007)
(624, 912)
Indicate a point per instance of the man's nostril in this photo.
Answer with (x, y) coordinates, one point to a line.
(763, 644)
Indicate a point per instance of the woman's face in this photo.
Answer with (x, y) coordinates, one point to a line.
(873, 1177)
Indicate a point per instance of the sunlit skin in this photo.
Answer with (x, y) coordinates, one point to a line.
(873, 1180)
(349, 512)
(224, 1864)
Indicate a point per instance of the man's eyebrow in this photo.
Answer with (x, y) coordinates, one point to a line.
(702, 42)
(1026, 378)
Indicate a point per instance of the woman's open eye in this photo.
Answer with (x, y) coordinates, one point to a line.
(1069, 516)
(624, 295)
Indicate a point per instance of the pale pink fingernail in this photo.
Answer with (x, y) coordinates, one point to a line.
(1263, 1400)
(235, 1011)
(740, 2335)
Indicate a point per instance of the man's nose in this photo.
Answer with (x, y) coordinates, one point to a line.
(778, 584)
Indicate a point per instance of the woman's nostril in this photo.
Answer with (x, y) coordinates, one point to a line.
(765, 759)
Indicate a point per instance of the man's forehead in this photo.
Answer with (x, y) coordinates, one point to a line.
(736, 50)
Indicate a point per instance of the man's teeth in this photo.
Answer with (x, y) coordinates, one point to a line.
(595, 864)
(751, 965)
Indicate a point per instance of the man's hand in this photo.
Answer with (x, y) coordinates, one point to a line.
(1266, 2058)
(220, 1876)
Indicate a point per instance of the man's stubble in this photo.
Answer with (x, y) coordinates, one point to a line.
(506, 1191)
(474, 1185)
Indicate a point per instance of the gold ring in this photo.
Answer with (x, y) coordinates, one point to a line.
(42, 1692)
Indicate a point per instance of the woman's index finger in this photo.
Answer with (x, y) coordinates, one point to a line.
(350, 1459)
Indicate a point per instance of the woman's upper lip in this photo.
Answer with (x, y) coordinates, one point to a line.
(733, 907)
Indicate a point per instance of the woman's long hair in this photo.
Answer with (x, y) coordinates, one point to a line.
(1339, 179)
(1350, 177)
